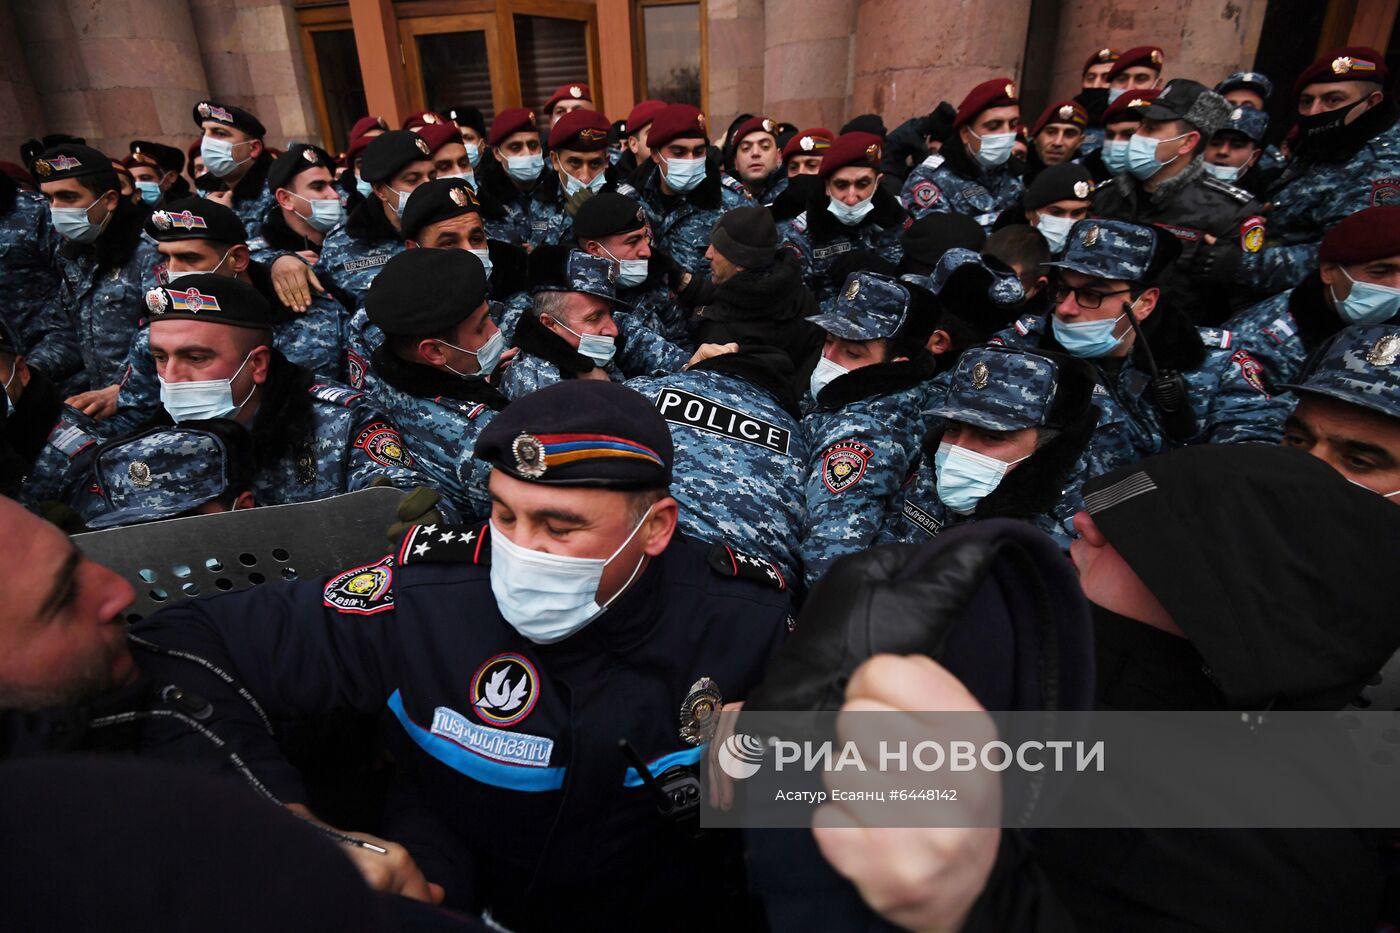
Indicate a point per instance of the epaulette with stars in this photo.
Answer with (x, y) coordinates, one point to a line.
(727, 562)
(445, 544)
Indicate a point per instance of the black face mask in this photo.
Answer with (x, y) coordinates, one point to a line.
(1094, 100)
(1316, 129)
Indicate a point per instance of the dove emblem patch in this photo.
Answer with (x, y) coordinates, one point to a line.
(505, 689)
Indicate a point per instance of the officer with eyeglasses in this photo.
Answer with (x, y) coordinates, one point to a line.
(1162, 381)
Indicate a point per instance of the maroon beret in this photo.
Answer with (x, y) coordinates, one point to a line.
(1065, 111)
(1100, 57)
(424, 118)
(676, 121)
(1129, 106)
(511, 121)
(367, 125)
(1353, 63)
(569, 92)
(437, 135)
(1141, 56)
(580, 131)
(1373, 233)
(809, 142)
(998, 92)
(861, 150)
(754, 125)
(642, 115)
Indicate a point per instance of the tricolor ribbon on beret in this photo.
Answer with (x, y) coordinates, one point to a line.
(566, 448)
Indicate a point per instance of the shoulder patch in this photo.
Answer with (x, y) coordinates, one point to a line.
(1216, 337)
(925, 194)
(727, 562)
(799, 223)
(445, 544)
(363, 591)
(1252, 234)
(843, 464)
(933, 161)
(1385, 191)
(624, 188)
(382, 443)
(336, 395)
(69, 438)
(1251, 370)
(1028, 324)
(356, 367)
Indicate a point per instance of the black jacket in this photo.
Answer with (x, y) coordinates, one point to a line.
(767, 306)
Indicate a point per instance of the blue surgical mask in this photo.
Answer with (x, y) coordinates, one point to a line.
(850, 214)
(573, 186)
(487, 355)
(1115, 155)
(1142, 155)
(548, 597)
(473, 154)
(401, 201)
(468, 180)
(965, 477)
(1230, 173)
(995, 148)
(823, 374)
(596, 347)
(526, 168)
(150, 192)
(73, 223)
(218, 156)
(1087, 339)
(630, 272)
(1114, 93)
(1055, 230)
(208, 398)
(1367, 303)
(684, 174)
(485, 256)
(325, 215)
(363, 187)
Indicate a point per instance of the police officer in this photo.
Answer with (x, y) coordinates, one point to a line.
(156, 170)
(440, 346)
(394, 164)
(512, 172)
(1234, 154)
(741, 455)
(757, 169)
(635, 149)
(850, 213)
(1347, 158)
(211, 339)
(1357, 282)
(614, 226)
(1135, 69)
(1059, 196)
(802, 154)
(570, 331)
(1110, 270)
(1008, 443)
(471, 123)
(1253, 89)
(865, 393)
(197, 235)
(1166, 184)
(197, 468)
(927, 239)
(1348, 411)
(1056, 137)
(1120, 121)
(680, 188)
(235, 155)
(971, 174)
(578, 162)
(517, 798)
(105, 265)
(302, 182)
(449, 154)
(30, 283)
(356, 189)
(566, 99)
(1093, 95)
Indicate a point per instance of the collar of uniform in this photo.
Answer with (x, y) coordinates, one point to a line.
(876, 379)
(765, 368)
(280, 236)
(823, 227)
(426, 382)
(629, 621)
(705, 195)
(252, 185)
(368, 225)
(534, 338)
(1177, 183)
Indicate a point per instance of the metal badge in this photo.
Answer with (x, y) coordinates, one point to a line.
(1105, 55)
(1066, 112)
(309, 155)
(529, 456)
(700, 712)
(1156, 57)
(458, 196)
(1236, 113)
(807, 144)
(203, 109)
(306, 467)
(422, 146)
(852, 290)
(1081, 189)
(1140, 102)
(1011, 90)
(43, 168)
(532, 116)
(872, 152)
(981, 375)
(700, 120)
(1091, 236)
(1385, 352)
(1341, 64)
(139, 474)
(161, 220)
(576, 92)
(769, 126)
(430, 118)
(157, 300)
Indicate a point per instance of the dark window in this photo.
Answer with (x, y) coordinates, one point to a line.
(338, 64)
(455, 71)
(671, 34)
(551, 52)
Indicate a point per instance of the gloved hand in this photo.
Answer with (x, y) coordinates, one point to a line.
(576, 200)
(419, 507)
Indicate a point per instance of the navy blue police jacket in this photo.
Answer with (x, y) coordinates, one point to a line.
(511, 790)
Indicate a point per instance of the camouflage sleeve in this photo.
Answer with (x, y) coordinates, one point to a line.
(62, 463)
(921, 195)
(317, 340)
(856, 471)
(1277, 268)
(377, 449)
(645, 351)
(517, 305)
(1241, 408)
(525, 375)
(54, 349)
(792, 238)
(138, 399)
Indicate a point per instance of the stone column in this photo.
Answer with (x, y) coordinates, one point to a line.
(1201, 39)
(735, 69)
(112, 71)
(807, 59)
(910, 54)
(20, 111)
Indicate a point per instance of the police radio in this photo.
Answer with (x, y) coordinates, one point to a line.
(677, 789)
(1169, 391)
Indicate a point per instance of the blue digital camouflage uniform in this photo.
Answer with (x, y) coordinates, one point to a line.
(640, 351)
(29, 288)
(740, 464)
(863, 436)
(682, 224)
(934, 187)
(819, 240)
(549, 221)
(105, 307)
(654, 306)
(1270, 332)
(160, 473)
(1312, 196)
(348, 265)
(1360, 365)
(62, 462)
(774, 185)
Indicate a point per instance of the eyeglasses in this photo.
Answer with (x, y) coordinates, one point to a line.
(1085, 297)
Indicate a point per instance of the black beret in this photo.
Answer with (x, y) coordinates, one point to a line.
(298, 158)
(196, 219)
(581, 432)
(928, 238)
(426, 291)
(236, 117)
(466, 115)
(388, 153)
(169, 158)
(1068, 181)
(437, 200)
(212, 298)
(608, 213)
(70, 160)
